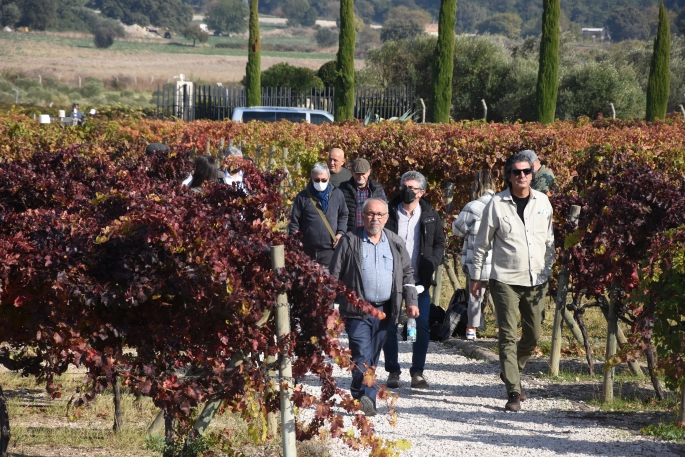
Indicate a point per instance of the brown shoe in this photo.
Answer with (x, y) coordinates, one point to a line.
(419, 382)
(514, 403)
(522, 395)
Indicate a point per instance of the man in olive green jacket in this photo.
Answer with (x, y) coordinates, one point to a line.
(517, 223)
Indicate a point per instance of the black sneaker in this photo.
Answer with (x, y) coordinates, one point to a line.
(522, 395)
(514, 403)
(367, 406)
(393, 381)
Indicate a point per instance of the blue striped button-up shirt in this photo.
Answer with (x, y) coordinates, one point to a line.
(377, 267)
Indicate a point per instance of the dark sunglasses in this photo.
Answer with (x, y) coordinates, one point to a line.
(525, 171)
(320, 180)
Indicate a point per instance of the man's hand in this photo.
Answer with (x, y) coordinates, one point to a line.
(337, 238)
(412, 311)
(475, 289)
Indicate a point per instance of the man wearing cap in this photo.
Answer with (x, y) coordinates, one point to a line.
(357, 190)
(543, 179)
(336, 165)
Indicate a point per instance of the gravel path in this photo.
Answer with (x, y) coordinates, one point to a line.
(462, 414)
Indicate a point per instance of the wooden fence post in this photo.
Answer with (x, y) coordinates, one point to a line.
(208, 144)
(612, 325)
(560, 311)
(118, 415)
(222, 148)
(285, 368)
(257, 153)
(272, 160)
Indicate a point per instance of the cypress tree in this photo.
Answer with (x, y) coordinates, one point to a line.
(344, 80)
(253, 83)
(444, 61)
(659, 73)
(548, 72)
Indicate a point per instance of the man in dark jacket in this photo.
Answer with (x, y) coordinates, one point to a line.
(374, 263)
(357, 190)
(319, 199)
(336, 165)
(415, 221)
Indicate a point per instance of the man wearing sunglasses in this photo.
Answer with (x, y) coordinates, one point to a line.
(517, 223)
(320, 213)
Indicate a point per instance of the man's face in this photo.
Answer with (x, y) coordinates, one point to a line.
(413, 185)
(362, 178)
(336, 160)
(375, 216)
(521, 176)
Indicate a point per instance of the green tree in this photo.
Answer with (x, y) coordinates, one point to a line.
(39, 14)
(659, 75)
(470, 14)
(299, 13)
(548, 72)
(326, 73)
(403, 13)
(285, 75)
(10, 14)
(400, 29)
(507, 24)
(228, 16)
(195, 33)
(344, 82)
(628, 23)
(171, 14)
(326, 37)
(253, 85)
(105, 31)
(444, 61)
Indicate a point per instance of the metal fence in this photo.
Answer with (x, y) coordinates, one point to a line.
(189, 102)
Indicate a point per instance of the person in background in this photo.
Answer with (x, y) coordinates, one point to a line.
(76, 114)
(336, 165)
(320, 213)
(517, 226)
(544, 178)
(415, 221)
(152, 147)
(359, 189)
(373, 262)
(205, 170)
(467, 225)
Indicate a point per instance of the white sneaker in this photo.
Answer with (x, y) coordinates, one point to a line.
(470, 333)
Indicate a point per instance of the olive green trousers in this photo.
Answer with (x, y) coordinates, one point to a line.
(530, 302)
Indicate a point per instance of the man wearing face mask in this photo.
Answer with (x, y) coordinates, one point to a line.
(359, 189)
(413, 218)
(320, 213)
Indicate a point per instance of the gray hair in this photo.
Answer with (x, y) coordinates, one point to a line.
(414, 176)
(509, 165)
(233, 151)
(318, 168)
(375, 199)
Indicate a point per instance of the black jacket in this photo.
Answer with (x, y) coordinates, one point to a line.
(305, 218)
(432, 242)
(349, 190)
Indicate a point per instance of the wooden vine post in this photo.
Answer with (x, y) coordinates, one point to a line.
(612, 330)
(285, 367)
(560, 311)
(272, 160)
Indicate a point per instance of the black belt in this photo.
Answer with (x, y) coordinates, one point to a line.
(379, 304)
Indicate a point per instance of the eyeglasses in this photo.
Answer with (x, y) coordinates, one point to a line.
(415, 189)
(320, 180)
(375, 215)
(525, 171)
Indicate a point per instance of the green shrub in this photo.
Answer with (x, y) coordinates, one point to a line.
(286, 75)
(299, 13)
(92, 87)
(507, 24)
(26, 83)
(326, 37)
(400, 29)
(105, 31)
(327, 73)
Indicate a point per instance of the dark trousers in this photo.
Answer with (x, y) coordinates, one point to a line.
(322, 257)
(420, 346)
(366, 337)
(530, 302)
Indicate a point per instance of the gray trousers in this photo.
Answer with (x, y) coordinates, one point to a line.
(530, 302)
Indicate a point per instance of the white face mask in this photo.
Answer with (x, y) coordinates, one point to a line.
(320, 186)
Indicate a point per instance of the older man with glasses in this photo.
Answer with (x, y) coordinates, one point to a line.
(517, 223)
(374, 263)
(320, 214)
(415, 221)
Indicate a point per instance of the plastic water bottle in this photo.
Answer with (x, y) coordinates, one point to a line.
(411, 330)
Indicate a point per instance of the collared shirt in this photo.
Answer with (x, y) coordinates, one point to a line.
(409, 229)
(362, 195)
(377, 268)
(522, 253)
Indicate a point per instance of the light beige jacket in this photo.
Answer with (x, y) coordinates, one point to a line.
(522, 255)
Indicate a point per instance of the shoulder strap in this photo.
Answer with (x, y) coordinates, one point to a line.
(323, 217)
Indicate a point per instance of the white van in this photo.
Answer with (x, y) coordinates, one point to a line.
(275, 114)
